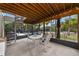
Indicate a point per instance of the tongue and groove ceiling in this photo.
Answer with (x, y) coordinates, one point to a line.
(39, 12)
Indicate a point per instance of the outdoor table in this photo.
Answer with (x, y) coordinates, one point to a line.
(36, 38)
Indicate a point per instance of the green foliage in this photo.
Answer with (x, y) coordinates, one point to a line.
(53, 29)
(9, 27)
(72, 23)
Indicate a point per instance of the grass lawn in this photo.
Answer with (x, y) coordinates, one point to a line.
(71, 37)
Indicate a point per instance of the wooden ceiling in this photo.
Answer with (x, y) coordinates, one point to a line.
(39, 12)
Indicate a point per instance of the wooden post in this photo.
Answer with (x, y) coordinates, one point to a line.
(78, 31)
(58, 29)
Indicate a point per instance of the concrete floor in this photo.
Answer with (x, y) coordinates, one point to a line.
(27, 47)
(2, 48)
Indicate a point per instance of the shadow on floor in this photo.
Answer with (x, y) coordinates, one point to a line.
(65, 43)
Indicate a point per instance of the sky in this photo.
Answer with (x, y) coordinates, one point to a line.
(7, 14)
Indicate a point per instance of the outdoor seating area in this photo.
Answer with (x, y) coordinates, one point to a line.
(40, 29)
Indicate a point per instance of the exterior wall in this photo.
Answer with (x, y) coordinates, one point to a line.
(2, 39)
(1, 25)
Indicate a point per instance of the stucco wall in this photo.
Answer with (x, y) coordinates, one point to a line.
(1, 25)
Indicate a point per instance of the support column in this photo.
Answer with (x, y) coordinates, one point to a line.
(43, 29)
(44, 32)
(2, 34)
(39, 26)
(51, 30)
(2, 18)
(58, 29)
(32, 29)
(78, 31)
(3, 25)
(27, 27)
(15, 29)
